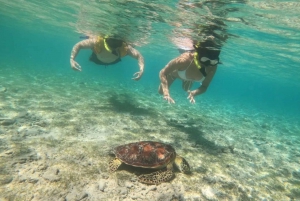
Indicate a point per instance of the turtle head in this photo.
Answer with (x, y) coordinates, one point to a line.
(182, 164)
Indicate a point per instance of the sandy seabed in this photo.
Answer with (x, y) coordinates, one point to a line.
(57, 134)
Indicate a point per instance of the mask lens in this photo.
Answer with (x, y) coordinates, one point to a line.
(204, 59)
(214, 62)
(208, 61)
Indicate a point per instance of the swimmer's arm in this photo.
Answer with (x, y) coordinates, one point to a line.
(205, 84)
(85, 44)
(173, 65)
(137, 55)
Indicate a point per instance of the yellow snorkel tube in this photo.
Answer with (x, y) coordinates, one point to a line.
(196, 60)
(115, 46)
(196, 56)
(106, 46)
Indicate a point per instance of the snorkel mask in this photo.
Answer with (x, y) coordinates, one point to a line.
(208, 52)
(209, 56)
(111, 44)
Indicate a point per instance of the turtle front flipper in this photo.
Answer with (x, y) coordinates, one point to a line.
(182, 164)
(156, 177)
(114, 164)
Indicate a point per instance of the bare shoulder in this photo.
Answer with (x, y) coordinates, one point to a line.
(184, 58)
(87, 42)
(178, 63)
(130, 49)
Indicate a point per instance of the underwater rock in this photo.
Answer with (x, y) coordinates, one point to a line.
(5, 180)
(42, 167)
(42, 123)
(266, 126)
(229, 185)
(22, 115)
(123, 191)
(32, 132)
(296, 174)
(208, 193)
(7, 122)
(295, 193)
(51, 175)
(33, 179)
(201, 169)
(82, 196)
(9, 152)
(2, 89)
(285, 172)
(22, 179)
(128, 184)
(24, 155)
(166, 191)
(16, 138)
(25, 132)
(226, 149)
(72, 195)
(102, 185)
(211, 179)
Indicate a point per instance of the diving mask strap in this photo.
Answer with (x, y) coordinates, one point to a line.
(196, 60)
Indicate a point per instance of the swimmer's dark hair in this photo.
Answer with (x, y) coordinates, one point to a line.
(114, 43)
(209, 44)
(208, 49)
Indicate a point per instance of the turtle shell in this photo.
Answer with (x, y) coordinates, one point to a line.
(146, 154)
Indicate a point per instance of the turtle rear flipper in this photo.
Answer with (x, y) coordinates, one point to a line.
(156, 177)
(114, 164)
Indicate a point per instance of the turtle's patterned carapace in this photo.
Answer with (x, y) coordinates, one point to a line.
(145, 154)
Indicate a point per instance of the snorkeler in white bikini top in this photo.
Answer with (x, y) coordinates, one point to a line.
(197, 66)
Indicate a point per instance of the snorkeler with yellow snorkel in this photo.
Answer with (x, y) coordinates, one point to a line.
(107, 51)
(199, 65)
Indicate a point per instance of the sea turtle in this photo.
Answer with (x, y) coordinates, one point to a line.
(149, 154)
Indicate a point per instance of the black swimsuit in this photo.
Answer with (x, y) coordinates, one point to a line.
(202, 70)
(95, 59)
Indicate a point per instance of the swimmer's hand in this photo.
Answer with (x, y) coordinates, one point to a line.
(191, 96)
(137, 75)
(75, 65)
(169, 99)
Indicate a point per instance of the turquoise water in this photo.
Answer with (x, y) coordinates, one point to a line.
(254, 95)
(260, 69)
(267, 84)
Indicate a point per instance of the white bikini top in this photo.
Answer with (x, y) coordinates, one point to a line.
(182, 75)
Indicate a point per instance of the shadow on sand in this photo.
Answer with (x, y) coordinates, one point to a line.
(196, 135)
(124, 103)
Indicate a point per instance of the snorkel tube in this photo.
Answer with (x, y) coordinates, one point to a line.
(84, 37)
(106, 46)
